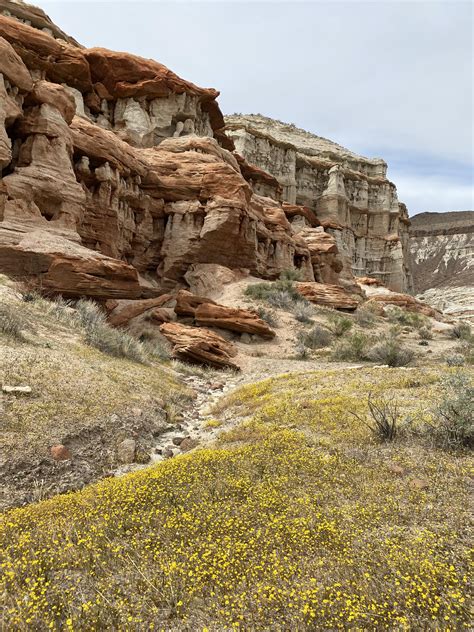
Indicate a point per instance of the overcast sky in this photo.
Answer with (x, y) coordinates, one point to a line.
(385, 79)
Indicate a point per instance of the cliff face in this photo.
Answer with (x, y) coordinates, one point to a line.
(442, 252)
(349, 194)
(117, 177)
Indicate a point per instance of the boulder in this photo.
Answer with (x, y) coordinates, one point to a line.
(234, 319)
(60, 453)
(124, 311)
(126, 451)
(199, 345)
(187, 303)
(328, 295)
(405, 301)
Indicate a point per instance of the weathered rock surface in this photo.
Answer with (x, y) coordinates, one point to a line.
(442, 252)
(239, 320)
(187, 303)
(327, 295)
(118, 182)
(349, 194)
(404, 301)
(114, 158)
(196, 344)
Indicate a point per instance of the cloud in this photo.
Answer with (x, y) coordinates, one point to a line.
(425, 193)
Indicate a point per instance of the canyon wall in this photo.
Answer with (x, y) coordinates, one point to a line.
(349, 194)
(442, 252)
(118, 178)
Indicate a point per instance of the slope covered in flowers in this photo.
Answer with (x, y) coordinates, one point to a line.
(297, 519)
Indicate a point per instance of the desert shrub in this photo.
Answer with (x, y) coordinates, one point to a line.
(425, 333)
(291, 274)
(384, 418)
(302, 352)
(452, 424)
(461, 331)
(466, 349)
(281, 294)
(391, 352)
(12, 321)
(281, 299)
(100, 335)
(455, 359)
(259, 291)
(339, 325)
(406, 318)
(303, 311)
(353, 347)
(268, 316)
(315, 338)
(365, 316)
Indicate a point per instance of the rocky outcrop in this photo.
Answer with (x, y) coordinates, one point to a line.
(348, 194)
(196, 344)
(119, 182)
(442, 253)
(326, 295)
(240, 320)
(116, 181)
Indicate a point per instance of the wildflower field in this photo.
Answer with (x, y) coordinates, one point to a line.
(297, 519)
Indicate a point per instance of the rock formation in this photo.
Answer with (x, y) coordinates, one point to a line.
(117, 177)
(349, 195)
(196, 344)
(442, 253)
(118, 181)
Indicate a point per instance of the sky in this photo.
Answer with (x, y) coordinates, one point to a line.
(386, 79)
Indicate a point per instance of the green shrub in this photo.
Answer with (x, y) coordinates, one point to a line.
(352, 348)
(391, 352)
(315, 338)
(406, 318)
(452, 422)
(281, 294)
(339, 325)
(291, 274)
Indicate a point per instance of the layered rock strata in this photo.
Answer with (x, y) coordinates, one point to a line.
(442, 253)
(116, 180)
(349, 195)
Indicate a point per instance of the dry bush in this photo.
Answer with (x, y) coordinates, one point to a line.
(303, 312)
(425, 333)
(365, 316)
(339, 325)
(461, 331)
(269, 316)
(384, 418)
(391, 352)
(315, 338)
(452, 424)
(13, 321)
(353, 348)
